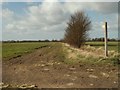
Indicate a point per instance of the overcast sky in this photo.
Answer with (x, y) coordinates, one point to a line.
(47, 20)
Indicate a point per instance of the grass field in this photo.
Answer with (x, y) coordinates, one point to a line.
(14, 49)
(111, 45)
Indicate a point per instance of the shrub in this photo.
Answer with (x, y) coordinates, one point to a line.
(77, 28)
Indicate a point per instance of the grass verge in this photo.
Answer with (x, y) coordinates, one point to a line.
(90, 55)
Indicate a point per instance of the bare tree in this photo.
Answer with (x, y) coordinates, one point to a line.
(77, 28)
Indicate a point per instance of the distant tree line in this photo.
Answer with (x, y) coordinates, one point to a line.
(17, 41)
(102, 39)
(54, 40)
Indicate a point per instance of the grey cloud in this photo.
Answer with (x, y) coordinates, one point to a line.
(106, 7)
(47, 18)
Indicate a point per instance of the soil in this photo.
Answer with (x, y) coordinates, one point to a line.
(45, 69)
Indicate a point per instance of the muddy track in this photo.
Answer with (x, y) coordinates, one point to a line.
(45, 69)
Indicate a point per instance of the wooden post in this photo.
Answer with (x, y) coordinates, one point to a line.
(106, 47)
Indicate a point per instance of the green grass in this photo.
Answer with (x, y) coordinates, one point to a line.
(111, 45)
(13, 49)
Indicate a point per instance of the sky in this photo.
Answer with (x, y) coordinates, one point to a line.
(47, 20)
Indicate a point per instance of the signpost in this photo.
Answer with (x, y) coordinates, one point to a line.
(106, 35)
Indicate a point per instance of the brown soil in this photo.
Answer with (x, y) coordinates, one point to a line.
(46, 69)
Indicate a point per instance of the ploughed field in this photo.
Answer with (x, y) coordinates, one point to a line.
(58, 65)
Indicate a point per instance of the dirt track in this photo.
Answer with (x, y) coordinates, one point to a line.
(45, 69)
